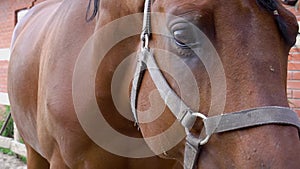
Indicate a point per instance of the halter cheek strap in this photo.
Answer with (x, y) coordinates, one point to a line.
(141, 65)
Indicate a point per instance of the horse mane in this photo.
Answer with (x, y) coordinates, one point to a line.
(95, 10)
(272, 6)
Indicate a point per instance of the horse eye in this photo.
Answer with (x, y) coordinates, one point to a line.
(181, 38)
(184, 36)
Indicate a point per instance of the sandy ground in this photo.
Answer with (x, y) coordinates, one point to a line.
(11, 162)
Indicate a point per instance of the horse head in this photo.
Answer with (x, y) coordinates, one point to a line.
(219, 58)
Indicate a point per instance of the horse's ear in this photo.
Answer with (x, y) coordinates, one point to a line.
(289, 2)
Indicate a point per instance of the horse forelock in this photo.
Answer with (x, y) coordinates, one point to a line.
(94, 11)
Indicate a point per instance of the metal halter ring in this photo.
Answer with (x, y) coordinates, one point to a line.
(203, 117)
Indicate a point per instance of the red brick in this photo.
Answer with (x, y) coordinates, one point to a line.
(296, 94)
(289, 57)
(294, 66)
(293, 84)
(296, 75)
(294, 56)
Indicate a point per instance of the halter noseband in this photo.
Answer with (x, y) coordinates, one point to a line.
(187, 117)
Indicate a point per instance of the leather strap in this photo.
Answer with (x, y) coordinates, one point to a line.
(180, 110)
(146, 30)
(141, 66)
(191, 152)
(234, 121)
(251, 118)
(136, 84)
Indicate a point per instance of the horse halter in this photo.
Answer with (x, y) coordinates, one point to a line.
(187, 117)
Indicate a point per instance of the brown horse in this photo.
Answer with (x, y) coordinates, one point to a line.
(45, 88)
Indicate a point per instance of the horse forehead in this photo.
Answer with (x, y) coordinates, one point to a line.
(178, 7)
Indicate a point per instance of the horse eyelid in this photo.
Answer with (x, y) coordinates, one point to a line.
(187, 46)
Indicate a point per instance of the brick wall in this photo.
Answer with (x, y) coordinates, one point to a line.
(293, 80)
(8, 10)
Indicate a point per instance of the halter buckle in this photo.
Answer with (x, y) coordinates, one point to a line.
(145, 40)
